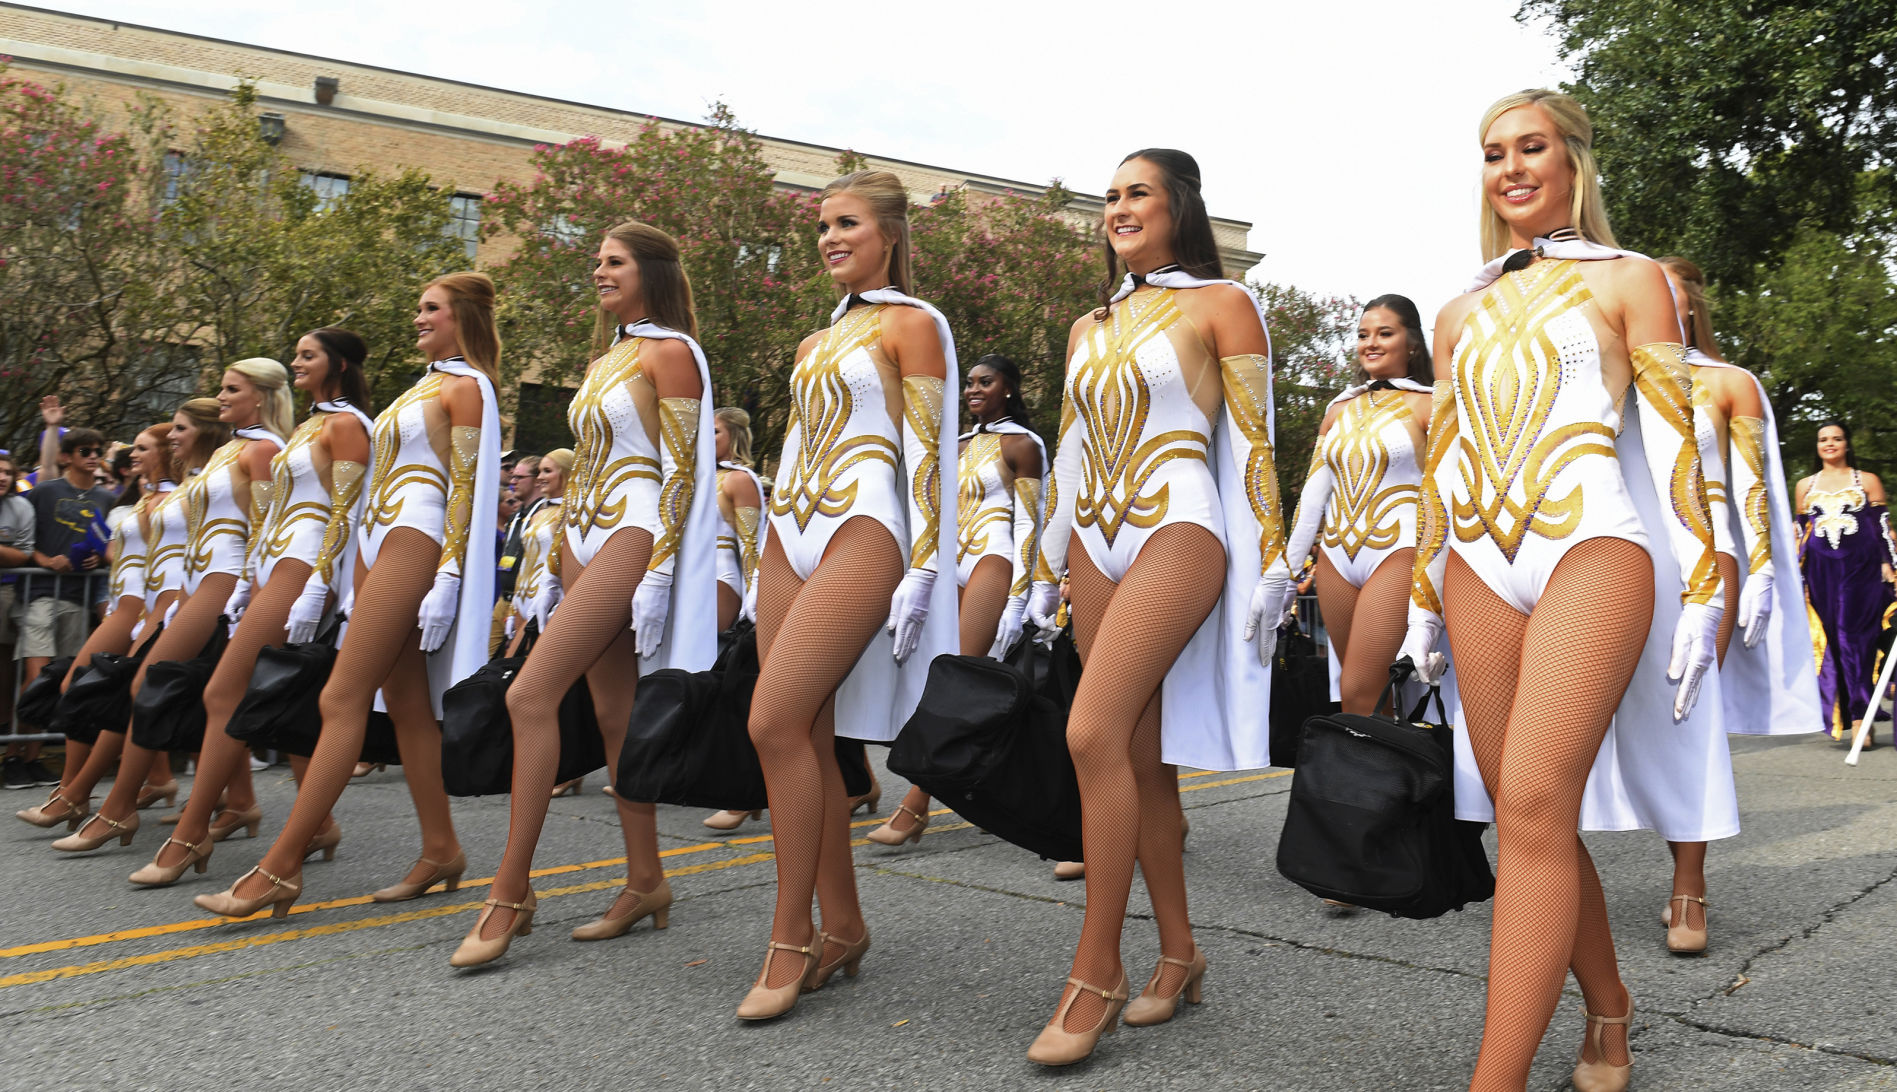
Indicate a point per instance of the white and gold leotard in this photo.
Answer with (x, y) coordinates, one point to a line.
(539, 558)
(299, 501)
(219, 514)
(740, 540)
(616, 459)
(165, 545)
(129, 549)
(410, 484)
(998, 514)
(1359, 500)
(843, 446)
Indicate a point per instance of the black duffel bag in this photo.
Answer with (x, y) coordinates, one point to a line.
(989, 740)
(100, 697)
(280, 709)
(688, 740)
(41, 695)
(1371, 818)
(1300, 690)
(477, 734)
(168, 710)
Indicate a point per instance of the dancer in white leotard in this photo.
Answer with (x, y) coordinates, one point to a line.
(153, 465)
(301, 552)
(220, 506)
(1574, 553)
(740, 541)
(1359, 500)
(998, 518)
(435, 453)
(1165, 482)
(860, 525)
(538, 590)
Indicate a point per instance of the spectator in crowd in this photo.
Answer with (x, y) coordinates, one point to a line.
(16, 549)
(69, 538)
(524, 484)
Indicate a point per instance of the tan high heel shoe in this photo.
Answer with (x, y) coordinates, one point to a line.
(474, 951)
(326, 841)
(730, 820)
(364, 769)
(888, 835)
(1151, 1007)
(1056, 1046)
(442, 872)
(150, 795)
(1070, 870)
(1681, 938)
(848, 961)
(196, 854)
(655, 904)
(767, 1003)
(1598, 1076)
(279, 898)
(225, 823)
(81, 842)
(566, 788)
(43, 815)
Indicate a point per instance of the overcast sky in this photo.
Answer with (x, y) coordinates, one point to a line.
(1345, 132)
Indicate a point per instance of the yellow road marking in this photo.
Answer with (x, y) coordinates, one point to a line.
(194, 951)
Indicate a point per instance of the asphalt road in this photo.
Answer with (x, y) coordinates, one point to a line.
(107, 986)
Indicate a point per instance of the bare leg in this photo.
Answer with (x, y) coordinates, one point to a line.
(810, 634)
(1375, 631)
(1129, 634)
(114, 636)
(728, 607)
(589, 636)
(1534, 752)
(382, 649)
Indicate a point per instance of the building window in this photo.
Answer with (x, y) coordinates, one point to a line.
(177, 174)
(329, 188)
(464, 220)
(564, 230)
(771, 253)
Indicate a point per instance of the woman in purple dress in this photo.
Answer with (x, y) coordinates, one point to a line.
(1847, 554)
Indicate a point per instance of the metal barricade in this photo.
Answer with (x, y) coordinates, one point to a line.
(29, 584)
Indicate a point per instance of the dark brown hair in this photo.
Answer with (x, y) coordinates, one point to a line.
(1193, 245)
(347, 351)
(662, 281)
(1419, 366)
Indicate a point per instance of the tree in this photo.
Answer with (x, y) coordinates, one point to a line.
(1313, 349)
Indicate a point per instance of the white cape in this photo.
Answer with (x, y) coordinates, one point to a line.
(876, 698)
(465, 650)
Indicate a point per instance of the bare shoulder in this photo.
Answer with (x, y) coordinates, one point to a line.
(741, 489)
(1331, 415)
(907, 322)
(668, 351)
(344, 425)
(1449, 320)
(1873, 487)
(809, 343)
(1022, 453)
(1627, 277)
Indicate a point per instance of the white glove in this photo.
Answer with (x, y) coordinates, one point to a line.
(172, 611)
(551, 593)
(1419, 644)
(651, 602)
(240, 599)
(1044, 611)
(748, 612)
(438, 611)
(306, 613)
(908, 610)
(1013, 619)
(1695, 648)
(507, 630)
(1265, 614)
(138, 630)
(1755, 605)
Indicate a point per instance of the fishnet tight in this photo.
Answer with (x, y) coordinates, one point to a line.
(1366, 626)
(263, 623)
(183, 639)
(114, 635)
(983, 599)
(382, 648)
(1689, 858)
(1128, 635)
(825, 622)
(1538, 693)
(590, 634)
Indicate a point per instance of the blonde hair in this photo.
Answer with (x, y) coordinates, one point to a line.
(471, 298)
(1587, 213)
(662, 281)
(738, 423)
(272, 380)
(561, 457)
(890, 202)
(212, 434)
(1699, 319)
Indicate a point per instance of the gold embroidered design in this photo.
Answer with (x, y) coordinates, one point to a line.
(1508, 376)
(1248, 400)
(596, 474)
(1027, 497)
(747, 523)
(392, 480)
(1363, 513)
(1110, 400)
(922, 397)
(678, 431)
(1432, 515)
(170, 510)
(202, 533)
(1748, 442)
(464, 447)
(541, 553)
(284, 514)
(1665, 383)
(972, 521)
(1834, 512)
(821, 407)
(346, 476)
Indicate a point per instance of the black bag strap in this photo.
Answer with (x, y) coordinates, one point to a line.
(1400, 671)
